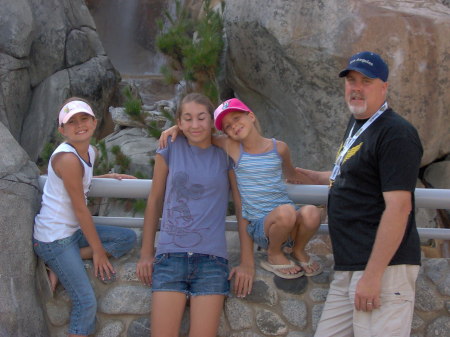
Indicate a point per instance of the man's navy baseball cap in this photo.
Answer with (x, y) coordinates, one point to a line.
(369, 64)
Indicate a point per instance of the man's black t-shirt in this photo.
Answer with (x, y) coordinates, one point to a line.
(385, 157)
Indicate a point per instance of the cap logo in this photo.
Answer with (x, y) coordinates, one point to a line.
(362, 61)
(225, 105)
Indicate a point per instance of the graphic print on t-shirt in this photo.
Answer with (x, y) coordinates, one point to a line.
(352, 152)
(180, 225)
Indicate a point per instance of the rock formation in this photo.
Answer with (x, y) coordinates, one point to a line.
(20, 309)
(283, 58)
(48, 51)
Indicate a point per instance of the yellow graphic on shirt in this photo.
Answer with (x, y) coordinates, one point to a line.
(352, 152)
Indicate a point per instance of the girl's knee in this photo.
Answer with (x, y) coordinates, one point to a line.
(126, 243)
(311, 212)
(285, 215)
(309, 217)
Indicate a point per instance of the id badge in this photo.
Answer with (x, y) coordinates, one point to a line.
(335, 172)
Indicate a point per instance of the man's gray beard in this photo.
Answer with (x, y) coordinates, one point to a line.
(357, 110)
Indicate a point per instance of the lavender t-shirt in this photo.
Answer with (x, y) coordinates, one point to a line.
(196, 199)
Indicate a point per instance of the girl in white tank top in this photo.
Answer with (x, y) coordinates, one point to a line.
(64, 232)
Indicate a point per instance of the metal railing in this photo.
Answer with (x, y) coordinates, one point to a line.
(301, 194)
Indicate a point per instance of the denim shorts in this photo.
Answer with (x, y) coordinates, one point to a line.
(256, 231)
(191, 273)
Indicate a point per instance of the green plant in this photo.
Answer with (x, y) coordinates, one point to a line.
(194, 48)
(121, 159)
(102, 164)
(154, 130)
(132, 105)
(44, 156)
(47, 151)
(139, 205)
(141, 175)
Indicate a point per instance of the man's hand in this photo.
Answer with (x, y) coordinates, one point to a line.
(367, 294)
(310, 177)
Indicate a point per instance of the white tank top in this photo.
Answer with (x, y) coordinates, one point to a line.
(56, 219)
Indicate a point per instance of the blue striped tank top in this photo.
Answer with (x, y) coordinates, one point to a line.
(260, 182)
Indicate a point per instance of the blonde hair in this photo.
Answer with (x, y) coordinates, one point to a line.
(257, 124)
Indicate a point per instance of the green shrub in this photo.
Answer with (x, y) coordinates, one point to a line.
(132, 105)
(194, 48)
(154, 130)
(102, 164)
(141, 175)
(139, 205)
(47, 151)
(121, 159)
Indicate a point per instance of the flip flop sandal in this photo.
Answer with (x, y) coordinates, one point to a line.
(310, 266)
(275, 268)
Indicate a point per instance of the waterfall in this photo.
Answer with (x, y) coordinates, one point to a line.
(127, 29)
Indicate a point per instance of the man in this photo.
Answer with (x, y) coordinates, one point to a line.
(371, 211)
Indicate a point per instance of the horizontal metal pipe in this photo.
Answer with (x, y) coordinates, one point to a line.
(231, 225)
(302, 194)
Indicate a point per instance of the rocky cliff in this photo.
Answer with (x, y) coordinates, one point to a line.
(49, 50)
(283, 58)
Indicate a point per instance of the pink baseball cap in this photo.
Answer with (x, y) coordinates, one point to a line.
(73, 108)
(230, 105)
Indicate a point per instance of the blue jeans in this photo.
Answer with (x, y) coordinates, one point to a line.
(191, 273)
(63, 258)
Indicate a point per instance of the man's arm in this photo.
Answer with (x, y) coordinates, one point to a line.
(389, 236)
(310, 177)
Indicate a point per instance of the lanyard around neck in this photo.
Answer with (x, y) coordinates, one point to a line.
(351, 139)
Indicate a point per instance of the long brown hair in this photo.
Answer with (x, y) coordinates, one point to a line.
(196, 98)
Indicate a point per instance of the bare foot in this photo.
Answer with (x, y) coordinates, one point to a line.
(53, 278)
(310, 266)
(281, 259)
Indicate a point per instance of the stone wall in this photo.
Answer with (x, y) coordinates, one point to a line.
(275, 307)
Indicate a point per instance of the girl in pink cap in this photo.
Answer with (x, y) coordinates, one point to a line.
(64, 232)
(274, 221)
